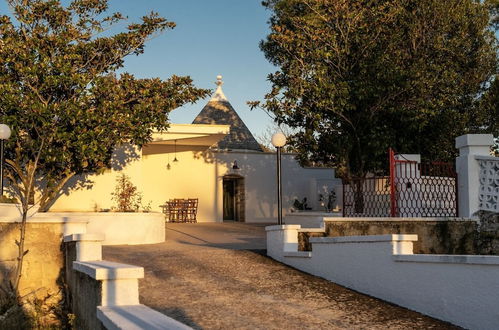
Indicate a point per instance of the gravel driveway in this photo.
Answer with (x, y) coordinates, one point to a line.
(216, 276)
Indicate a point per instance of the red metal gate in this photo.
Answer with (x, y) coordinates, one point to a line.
(412, 189)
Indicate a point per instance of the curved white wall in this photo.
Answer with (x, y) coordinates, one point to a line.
(120, 228)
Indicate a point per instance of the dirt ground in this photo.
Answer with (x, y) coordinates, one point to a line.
(216, 276)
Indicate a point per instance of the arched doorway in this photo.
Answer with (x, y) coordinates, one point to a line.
(233, 198)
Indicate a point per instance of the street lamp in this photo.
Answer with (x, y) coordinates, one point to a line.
(279, 141)
(4, 135)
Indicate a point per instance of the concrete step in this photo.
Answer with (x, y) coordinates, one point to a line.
(120, 284)
(136, 317)
(88, 246)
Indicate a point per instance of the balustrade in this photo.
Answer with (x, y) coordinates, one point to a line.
(489, 184)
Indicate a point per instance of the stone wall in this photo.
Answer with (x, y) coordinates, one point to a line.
(488, 233)
(434, 237)
(42, 285)
(84, 295)
(43, 265)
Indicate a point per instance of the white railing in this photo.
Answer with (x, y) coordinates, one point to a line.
(488, 193)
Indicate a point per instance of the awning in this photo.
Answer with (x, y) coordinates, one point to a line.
(191, 135)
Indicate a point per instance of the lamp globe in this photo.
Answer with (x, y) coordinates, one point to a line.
(278, 140)
(4, 132)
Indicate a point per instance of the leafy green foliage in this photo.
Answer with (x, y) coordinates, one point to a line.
(359, 76)
(58, 91)
(67, 108)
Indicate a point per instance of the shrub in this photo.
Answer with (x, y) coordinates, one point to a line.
(126, 196)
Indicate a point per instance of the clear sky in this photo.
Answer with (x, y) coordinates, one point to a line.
(212, 37)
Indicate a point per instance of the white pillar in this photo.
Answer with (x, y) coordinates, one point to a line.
(470, 145)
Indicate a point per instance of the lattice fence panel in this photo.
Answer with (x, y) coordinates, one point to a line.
(489, 185)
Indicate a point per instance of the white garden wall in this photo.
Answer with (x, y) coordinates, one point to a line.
(118, 228)
(463, 290)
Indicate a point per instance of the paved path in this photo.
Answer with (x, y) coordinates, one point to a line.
(214, 276)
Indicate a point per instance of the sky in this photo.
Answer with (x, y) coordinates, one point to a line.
(211, 38)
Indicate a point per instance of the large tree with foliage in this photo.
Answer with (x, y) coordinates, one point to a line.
(359, 76)
(60, 95)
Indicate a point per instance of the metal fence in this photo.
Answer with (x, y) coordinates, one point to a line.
(424, 190)
(368, 197)
(412, 189)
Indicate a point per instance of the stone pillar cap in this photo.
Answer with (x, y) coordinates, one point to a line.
(477, 140)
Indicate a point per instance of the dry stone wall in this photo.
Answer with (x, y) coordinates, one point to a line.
(42, 275)
(488, 233)
(84, 295)
(434, 237)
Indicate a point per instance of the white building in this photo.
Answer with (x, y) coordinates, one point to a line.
(215, 159)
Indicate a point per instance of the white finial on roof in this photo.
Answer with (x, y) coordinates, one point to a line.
(219, 94)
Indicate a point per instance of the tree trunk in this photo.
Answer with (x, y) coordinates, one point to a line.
(20, 248)
(358, 191)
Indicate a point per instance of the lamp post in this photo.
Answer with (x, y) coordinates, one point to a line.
(279, 141)
(4, 135)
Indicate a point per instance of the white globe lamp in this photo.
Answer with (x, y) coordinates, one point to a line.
(278, 140)
(4, 132)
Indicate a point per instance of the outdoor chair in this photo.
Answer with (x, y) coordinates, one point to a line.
(181, 210)
(177, 210)
(165, 208)
(191, 209)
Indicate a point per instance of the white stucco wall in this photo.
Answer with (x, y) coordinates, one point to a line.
(259, 171)
(91, 193)
(463, 290)
(116, 228)
(199, 174)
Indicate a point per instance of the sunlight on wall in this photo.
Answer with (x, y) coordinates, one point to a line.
(199, 174)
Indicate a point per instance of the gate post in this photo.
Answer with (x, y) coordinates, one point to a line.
(467, 168)
(393, 197)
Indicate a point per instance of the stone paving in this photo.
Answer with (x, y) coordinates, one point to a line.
(216, 276)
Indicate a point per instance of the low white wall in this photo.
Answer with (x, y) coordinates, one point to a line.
(67, 225)
(107, 295)
(309, 219)
(119, 228)
(463, 290)
(14, 211)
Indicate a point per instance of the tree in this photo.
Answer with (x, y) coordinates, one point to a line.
(489, 104)
(265, 137)
(66, 106)
(359, 76)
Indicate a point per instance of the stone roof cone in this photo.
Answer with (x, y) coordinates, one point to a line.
(219, 111)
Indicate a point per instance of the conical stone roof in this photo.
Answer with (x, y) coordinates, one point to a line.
(219, 111)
